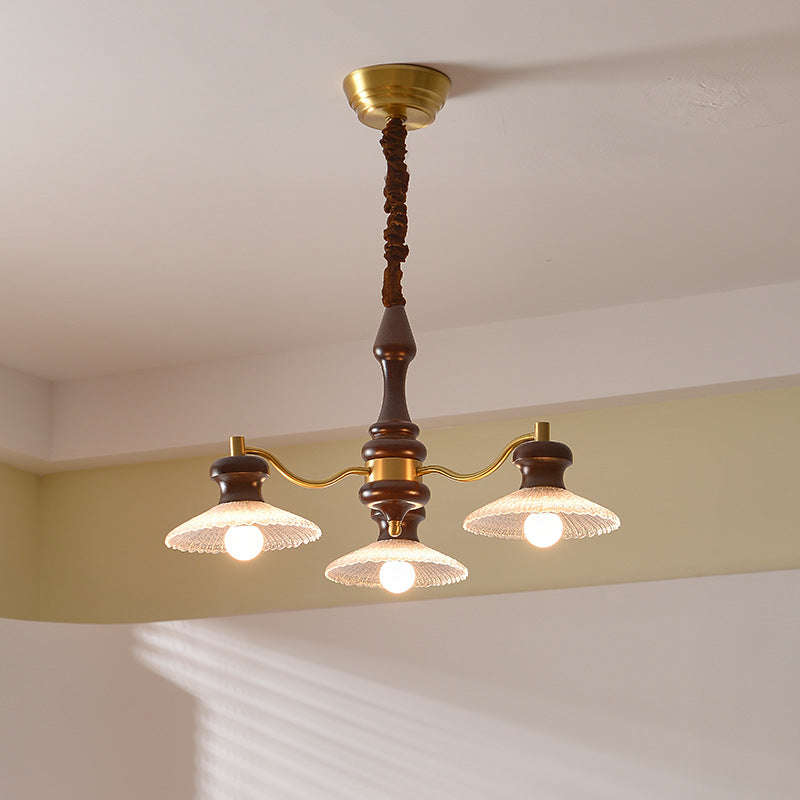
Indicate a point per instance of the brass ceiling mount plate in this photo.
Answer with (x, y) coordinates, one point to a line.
(410, 91)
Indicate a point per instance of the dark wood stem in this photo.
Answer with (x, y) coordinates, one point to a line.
(394, 435)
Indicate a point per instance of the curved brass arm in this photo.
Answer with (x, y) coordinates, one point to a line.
(239, 448)
(483, 473)
(290, 476)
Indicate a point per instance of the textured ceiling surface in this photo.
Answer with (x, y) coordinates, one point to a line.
(184, 181)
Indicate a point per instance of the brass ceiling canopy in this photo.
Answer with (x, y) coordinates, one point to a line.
(394, 98)
(409, 91)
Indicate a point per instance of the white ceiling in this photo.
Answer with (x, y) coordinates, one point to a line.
(184, 181)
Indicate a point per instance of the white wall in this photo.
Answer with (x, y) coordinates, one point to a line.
(676, 689)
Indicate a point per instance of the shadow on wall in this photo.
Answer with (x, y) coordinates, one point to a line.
(276, 724)
(774, 53)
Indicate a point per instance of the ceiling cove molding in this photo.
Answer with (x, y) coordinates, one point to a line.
(25, 423)
(586, 358)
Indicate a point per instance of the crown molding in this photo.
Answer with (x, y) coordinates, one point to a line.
(702, 344)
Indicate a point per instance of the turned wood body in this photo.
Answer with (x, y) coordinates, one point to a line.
(394, 435)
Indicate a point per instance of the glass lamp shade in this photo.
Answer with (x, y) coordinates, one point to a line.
(363, 567)
(505, 518)
(205, 533)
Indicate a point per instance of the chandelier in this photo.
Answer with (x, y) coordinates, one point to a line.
(394, 98)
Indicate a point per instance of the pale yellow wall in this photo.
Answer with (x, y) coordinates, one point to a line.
(19, 546)
(703, 486)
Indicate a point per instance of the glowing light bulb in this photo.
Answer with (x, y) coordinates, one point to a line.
(243, 542)
(397, 576)
(543, 530)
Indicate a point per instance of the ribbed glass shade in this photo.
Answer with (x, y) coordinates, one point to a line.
(205, 533)
(362, 567)
(506, 517)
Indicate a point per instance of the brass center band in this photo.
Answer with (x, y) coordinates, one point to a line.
(393, 469)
